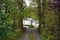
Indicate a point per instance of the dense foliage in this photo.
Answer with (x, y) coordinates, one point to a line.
(10, 16)
(49, 19)
(12, 13)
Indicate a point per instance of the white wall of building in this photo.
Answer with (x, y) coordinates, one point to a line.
(28, 22)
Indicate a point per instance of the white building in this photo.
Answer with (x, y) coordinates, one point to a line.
(28, 21)
(35, 24)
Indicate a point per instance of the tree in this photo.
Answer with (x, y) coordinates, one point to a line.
(21, 8)
(48, 17)
(40, 12)
(9, 18)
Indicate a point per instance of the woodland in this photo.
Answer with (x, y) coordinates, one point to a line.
(12, 12)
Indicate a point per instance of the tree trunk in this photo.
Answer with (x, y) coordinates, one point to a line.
(20, 5)
(40, 14)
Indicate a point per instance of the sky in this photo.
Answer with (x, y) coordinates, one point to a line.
(27, 2)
